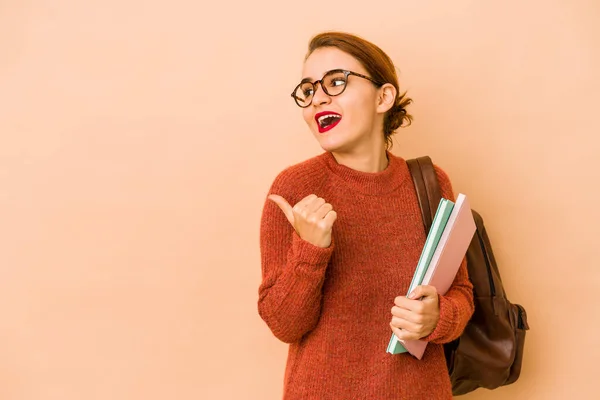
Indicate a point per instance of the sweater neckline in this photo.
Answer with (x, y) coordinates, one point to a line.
(373, 183)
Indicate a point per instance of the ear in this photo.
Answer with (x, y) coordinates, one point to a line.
(386, 98)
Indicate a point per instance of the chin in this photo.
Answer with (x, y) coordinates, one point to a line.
(333, 141)
(333, 145)
(330, 148)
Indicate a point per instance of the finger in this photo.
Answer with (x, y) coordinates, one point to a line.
(423, 291)
(402, 301)
(408, 315)
(315, 204)
(323, 210)
(330, 218)
(307, 200)
(404, 335)
(410, 305)
(405, 325)
(302, 205)
(284, 206)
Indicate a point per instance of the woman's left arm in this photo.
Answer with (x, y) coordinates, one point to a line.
(456, 306)
(428, 315)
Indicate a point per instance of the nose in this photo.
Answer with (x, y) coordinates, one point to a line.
(320, 97)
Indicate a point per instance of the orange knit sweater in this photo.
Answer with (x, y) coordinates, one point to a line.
(333, 306)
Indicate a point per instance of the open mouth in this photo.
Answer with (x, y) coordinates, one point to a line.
(327, 120)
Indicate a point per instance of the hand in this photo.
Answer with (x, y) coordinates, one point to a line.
(311, 217)
(415, 319)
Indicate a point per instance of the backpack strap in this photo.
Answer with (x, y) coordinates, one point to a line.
(427, 187)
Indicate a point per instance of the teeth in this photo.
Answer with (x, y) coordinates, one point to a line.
(323, 117)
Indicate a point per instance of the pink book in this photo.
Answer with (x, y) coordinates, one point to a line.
(447, 258)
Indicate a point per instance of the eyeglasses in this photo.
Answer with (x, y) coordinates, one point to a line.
(333, 83)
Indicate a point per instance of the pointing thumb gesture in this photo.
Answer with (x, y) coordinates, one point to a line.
(285, 207)
(312, 218)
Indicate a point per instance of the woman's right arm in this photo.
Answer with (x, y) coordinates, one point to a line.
(293, 271)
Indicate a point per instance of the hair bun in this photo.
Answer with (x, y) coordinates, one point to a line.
(397, 116)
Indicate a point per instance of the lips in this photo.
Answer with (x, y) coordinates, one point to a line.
(327, 120)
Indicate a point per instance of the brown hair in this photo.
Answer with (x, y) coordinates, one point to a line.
(378, 65)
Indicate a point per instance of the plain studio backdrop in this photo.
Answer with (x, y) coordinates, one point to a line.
(139, 138)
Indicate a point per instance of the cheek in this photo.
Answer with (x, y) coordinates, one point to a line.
(358, 103)
(307, 115)
(359, 113)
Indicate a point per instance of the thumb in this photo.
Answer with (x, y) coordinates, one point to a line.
(423, 291)
(284, 206)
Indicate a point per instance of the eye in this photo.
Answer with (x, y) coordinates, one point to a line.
(336, 81)
(307, 91)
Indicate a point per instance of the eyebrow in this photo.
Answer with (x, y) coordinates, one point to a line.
(304, 80)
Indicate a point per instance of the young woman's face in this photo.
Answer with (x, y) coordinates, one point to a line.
(355, 122)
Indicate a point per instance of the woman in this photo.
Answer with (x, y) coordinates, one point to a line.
(341, 234)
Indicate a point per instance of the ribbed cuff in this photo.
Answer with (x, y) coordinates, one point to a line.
(305, 253)
(444, 325)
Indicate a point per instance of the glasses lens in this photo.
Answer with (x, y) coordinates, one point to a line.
(304, 94)
(334, 83)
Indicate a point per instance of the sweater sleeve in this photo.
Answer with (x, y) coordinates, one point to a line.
(293, 272)
(456, 306)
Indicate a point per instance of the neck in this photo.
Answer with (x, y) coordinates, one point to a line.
(374, 160)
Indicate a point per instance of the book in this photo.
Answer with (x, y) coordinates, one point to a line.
(438, 224)
(443, 265)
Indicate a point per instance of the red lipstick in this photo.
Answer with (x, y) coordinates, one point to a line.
(327, 120)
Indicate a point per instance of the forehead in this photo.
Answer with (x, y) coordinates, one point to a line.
(327, 58)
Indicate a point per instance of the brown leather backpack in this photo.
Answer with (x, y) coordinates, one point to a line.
(489, 352)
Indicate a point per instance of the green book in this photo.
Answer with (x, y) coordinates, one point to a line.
(433, 237)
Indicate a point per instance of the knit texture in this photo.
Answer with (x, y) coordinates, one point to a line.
(333, 305)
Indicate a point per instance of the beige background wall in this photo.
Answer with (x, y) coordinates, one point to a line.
(138, 139)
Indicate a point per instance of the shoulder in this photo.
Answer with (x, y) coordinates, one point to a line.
(300, 179)
(444, 181)
(441, 175)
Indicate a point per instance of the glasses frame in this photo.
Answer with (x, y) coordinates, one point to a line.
(346, 73)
